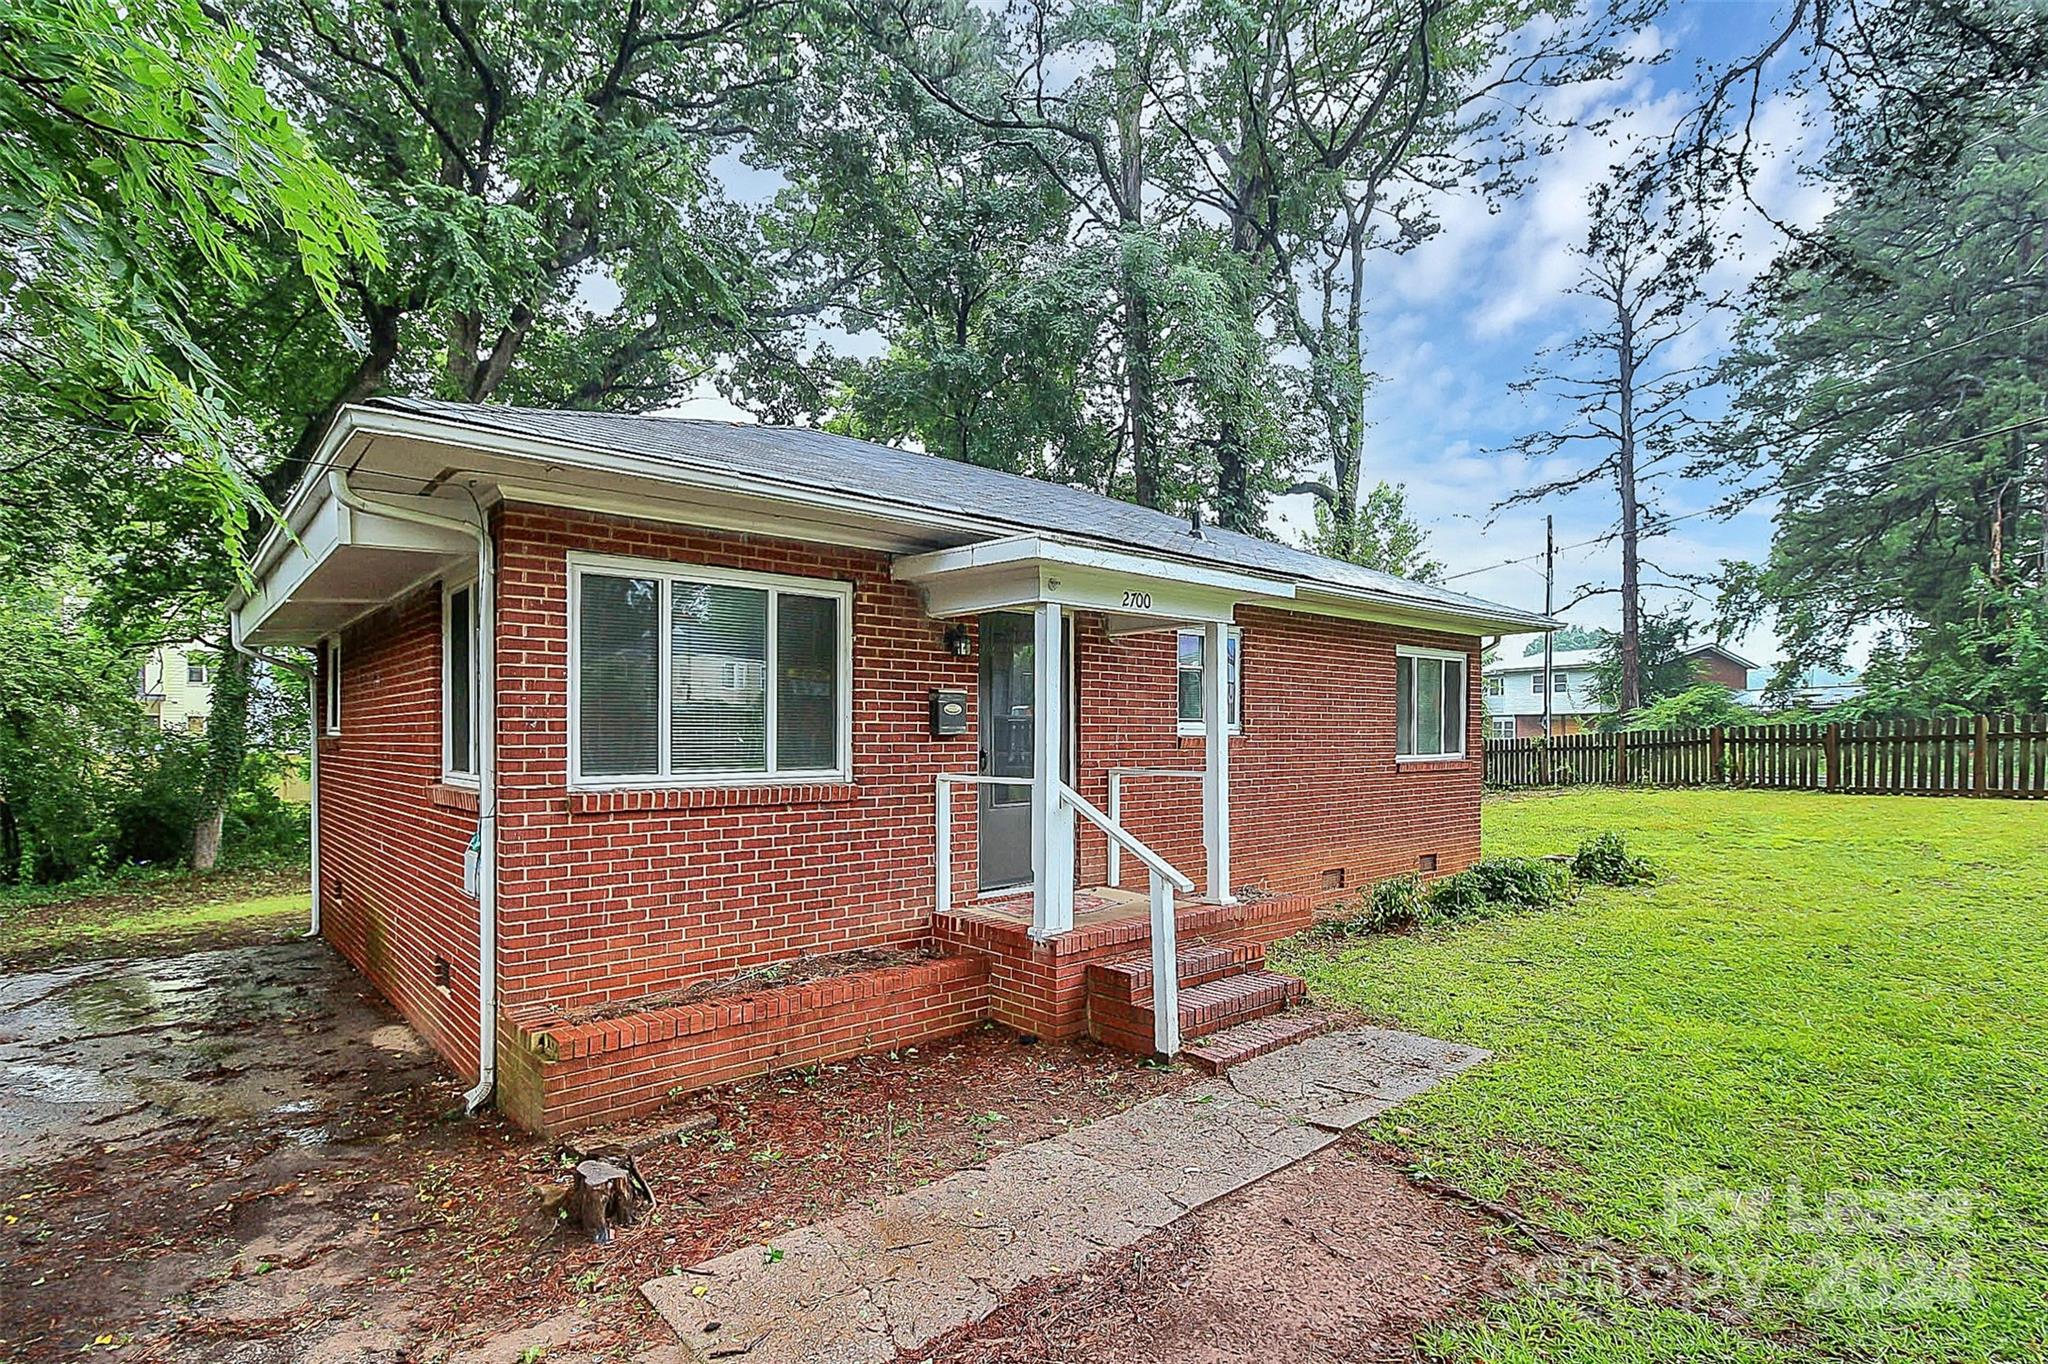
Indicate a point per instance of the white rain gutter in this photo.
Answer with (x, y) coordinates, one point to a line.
(486, 776)
(312, 769)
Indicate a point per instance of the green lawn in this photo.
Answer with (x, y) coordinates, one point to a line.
(1809, 1067)
(154, 914)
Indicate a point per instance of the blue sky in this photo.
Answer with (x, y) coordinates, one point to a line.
(1453, 323)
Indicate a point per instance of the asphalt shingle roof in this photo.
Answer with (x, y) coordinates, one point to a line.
(844, 465)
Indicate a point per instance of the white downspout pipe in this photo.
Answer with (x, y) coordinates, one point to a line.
(312, 767)
(486, 776)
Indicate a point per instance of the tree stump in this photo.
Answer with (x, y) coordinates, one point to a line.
(609, 1192)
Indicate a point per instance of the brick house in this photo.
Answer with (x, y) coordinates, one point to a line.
(654, 753)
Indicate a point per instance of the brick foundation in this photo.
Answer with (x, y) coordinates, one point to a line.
(556, 1076)
(1041, 988)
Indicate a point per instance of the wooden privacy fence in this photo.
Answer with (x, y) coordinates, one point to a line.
(1982, 756)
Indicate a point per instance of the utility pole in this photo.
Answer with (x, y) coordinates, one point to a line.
(1549, 588)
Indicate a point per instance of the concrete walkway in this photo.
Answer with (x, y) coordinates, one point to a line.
(860, 1288)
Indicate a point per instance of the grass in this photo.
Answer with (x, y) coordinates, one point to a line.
(155, 914)
(1807, 1071)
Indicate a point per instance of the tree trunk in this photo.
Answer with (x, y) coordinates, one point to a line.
(1140, 380)
(1625, 477)
(368, 377)
(227, 740)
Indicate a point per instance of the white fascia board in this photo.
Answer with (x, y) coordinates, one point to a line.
(1327, 600)
(1053, 554)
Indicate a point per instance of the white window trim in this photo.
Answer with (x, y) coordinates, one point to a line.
(1465, 704)
(449, 587)
(330, 700)
(668, 571)
(1195, 729)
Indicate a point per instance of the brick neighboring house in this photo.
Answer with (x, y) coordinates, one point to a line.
(1514, 689)
(654, 753)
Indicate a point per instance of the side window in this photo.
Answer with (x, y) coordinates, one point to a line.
(458, 682)
(1429, 704)
(1188, 648)
(330, 684)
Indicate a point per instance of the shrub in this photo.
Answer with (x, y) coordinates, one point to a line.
(1522, 882)
(1457, 898)
(1604, 860)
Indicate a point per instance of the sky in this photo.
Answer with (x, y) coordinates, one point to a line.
(1453, 323)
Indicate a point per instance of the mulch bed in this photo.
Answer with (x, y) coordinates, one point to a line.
(774, 976)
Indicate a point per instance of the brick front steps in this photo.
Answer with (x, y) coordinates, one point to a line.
(1223, 983)
(1220, 1051)
(555, 1076)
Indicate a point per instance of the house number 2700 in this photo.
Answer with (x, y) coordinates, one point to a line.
(1137, 601)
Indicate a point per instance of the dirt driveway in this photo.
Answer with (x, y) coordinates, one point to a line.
(241, 1156)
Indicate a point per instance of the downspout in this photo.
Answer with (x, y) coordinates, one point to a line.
(312, 768)
(486, 776)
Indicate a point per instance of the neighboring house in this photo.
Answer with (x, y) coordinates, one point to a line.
(1514, 689)
(176, 688)
(698, 705)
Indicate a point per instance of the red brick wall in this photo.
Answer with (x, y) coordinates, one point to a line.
(600, 900)
(1716, 668)
(607, 897)
(1314, 784)
(390, 852)
(558, 1077)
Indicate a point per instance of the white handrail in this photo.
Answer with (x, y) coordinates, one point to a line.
(1120, 836)
(1163, 881)
(1115, 875)
(943, 864)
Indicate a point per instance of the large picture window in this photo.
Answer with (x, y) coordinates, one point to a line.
(1429, 704)
(701, 675)
(1190, 648)
(458, 682)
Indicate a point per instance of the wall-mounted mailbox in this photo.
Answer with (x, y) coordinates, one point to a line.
(949, 712)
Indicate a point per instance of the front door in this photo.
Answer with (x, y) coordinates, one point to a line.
(1008, 705)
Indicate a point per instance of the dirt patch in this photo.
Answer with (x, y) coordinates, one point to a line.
(1337, 1258)
(779, 975)
(244, 1157)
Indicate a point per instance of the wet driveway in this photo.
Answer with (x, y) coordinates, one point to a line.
(204, 1153)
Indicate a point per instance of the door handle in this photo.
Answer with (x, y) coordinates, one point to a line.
(981, 763)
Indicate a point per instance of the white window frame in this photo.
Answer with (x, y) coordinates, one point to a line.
(330, 687)
(1560, 682)
(668, 572)
(1503, 726)
(1494, 684)
(449, 774)
(1195, 729)
(1464, 703)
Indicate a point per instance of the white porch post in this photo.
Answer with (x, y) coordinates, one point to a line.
(1216, 758)
(1052, 823)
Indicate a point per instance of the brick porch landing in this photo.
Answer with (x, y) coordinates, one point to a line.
(1041, 988)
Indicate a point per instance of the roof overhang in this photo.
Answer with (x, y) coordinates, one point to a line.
(328, 564)
(1134, 592)
(338, 563)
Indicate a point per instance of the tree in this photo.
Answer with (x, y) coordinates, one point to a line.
(1698, 707)
(1067, 82)
(1379, 534)
(1897, 410)
(144, 159)
(1626, 390)
(1570, 637)
(542, 176)
(1660, 666)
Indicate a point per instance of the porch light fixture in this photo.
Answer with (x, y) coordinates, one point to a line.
(957, 642)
